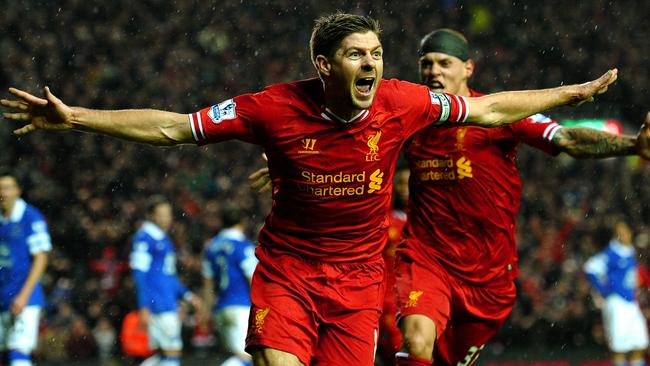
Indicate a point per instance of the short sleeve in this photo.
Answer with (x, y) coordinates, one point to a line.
(38, 238)
(140, 258)
(425, 107)
(597, 266)
(206, 268)
(537, 131)
(233, 118)
(248, 261)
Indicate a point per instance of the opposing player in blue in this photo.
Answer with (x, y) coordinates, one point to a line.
(228, 266)
(613, 272)
(24, 246)
(153, 261)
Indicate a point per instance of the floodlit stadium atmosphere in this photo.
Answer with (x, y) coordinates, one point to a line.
(411, 213)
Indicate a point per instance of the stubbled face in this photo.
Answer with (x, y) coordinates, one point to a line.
(9, 193)
(356, 69)
(162, 216)
(443, 73)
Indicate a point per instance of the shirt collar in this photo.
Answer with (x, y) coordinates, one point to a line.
(331, 116)
(233, 234)
(154, 230)
(621, 249)
(18, 211)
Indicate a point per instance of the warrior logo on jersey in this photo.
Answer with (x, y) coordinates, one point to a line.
(222, 111)
(373, 147)
(308, 146)
(260, 314)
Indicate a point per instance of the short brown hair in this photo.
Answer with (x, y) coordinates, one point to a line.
(154, 201)
(330, 30)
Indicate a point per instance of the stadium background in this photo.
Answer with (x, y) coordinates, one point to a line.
(182, 56)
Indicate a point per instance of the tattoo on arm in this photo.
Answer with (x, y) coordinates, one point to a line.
(581, 142)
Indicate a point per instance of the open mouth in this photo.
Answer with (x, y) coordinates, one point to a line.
(436, 85)
(364, 85)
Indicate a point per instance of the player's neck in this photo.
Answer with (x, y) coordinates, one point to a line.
(343, 114)
(464, 91)
(341, 106)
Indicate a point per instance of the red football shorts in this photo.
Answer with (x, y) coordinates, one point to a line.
(466, 316)
(323, 313)
(390, 338)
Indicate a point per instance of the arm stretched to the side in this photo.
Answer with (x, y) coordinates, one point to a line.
(580, 142)
(142, 125)
(507, 107)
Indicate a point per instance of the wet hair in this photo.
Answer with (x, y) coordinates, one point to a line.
(330, 30)
(154, 201)
(447, 41)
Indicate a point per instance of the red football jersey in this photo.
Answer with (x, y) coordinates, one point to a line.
(335, 183)
(464, 193)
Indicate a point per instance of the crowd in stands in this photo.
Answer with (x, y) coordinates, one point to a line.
(185, 55)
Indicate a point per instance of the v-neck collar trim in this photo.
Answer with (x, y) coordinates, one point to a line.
(331, 116)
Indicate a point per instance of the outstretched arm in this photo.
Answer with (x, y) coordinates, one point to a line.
(142, 125)
(581, 142)
(507, 107)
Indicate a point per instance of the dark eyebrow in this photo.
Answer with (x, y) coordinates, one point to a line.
(359, 49)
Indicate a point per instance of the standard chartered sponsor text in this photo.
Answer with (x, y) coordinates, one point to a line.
(339, 177)
(443, 169)
(431, 175)
(333, 191)
(338, 184)
(434, 163)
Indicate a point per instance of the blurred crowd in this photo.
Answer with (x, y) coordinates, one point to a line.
(185, 55)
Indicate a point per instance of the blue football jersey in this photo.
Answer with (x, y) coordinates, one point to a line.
(230, 261)
(153, 263)
(22, 235)
(614, 271)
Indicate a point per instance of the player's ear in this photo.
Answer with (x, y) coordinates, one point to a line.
(469, 68)
(323, 65)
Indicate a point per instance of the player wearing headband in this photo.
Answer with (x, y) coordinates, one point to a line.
(456, 267)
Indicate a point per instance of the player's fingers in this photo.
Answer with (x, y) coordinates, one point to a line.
(267, 187)
(29, 98)
(25, 130)
(16, 116)
(260, 182)
(258, 174)
(614, 76)
(50, 97)
(582, 101)
(609, 77)
(16, 104)
(606, 79)
(265, 157)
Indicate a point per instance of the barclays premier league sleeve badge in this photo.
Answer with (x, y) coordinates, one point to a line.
(222, 111)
